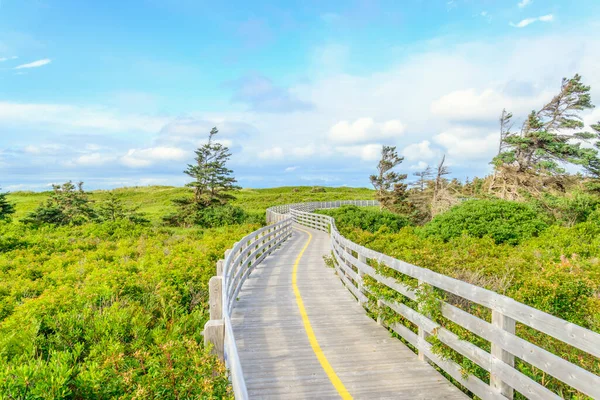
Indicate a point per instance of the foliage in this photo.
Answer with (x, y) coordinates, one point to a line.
(212, 182)
(567, 209)
(109, 310)
(391, 191)
(546, 138)
(67, 205)
(7, 209)
(504, 221)
(113, 209)
(367, 219)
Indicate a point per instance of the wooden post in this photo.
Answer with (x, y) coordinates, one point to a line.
(215, 297)
(214, 333)
(220, 265)
(363, 259)
(422, 334)
(500, 355)
(379, 319)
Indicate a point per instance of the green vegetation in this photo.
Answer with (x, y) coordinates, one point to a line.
(504, 221)
(108, 307)
(367, 219)
(6, 208)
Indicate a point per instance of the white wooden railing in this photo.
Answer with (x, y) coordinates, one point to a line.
(232, 272)
(353, 262)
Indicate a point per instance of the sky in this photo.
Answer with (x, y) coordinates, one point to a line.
(121, 93)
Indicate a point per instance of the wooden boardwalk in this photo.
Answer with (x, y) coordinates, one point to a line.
(359, 358)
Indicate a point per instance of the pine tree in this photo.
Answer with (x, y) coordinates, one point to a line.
(390, 186)
(551, 136)
(212, 182)
(212, 185)
(6, 208)
(113, 210)
(68, 205)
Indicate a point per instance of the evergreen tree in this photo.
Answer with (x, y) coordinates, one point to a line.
(6, 208)
(212, 185)
(212, 182)
(113, 210)
(550, 136)
(390, 186)
(68, 205)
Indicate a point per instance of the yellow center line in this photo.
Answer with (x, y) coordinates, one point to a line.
(335, 380)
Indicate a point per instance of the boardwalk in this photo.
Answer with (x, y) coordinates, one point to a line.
(359, 358)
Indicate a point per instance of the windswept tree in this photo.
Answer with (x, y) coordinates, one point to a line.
(551, 136)
(213, 184)
(6, 209)
(390, 186)
(534, 157)
(67, 205)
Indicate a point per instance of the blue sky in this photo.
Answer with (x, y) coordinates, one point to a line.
(120, 93)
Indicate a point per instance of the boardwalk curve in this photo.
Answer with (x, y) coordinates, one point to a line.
(287, 328)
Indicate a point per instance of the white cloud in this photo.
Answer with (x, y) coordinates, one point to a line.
(62, 116)
(2, 59)
(35, 64)
(291, 169)
(43, 149)
(524, 3)
(304, 151)
(468, 143)
(528, 21)
(418, 151)
(274, 153)
(145, 157)
(364, 130)
(486, 105)
(367, 152)
(91, 160)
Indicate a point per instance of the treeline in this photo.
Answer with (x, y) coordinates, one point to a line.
(207, 205)
(530, 166)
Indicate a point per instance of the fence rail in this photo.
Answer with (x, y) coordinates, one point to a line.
(354, 262)
(231, 274)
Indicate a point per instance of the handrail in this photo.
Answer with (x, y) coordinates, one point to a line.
(500, 332)
(224, 287)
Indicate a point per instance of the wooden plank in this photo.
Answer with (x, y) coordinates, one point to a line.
(507, 324)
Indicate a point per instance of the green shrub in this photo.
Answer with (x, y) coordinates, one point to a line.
(367, 219)
(504, 221)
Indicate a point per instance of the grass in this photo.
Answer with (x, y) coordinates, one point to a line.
(156, 201)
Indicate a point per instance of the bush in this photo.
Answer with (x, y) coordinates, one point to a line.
(367, 219)
(504, 221)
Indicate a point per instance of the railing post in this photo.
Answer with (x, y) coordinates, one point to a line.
(214, 330)
(500, 355)
(423, 335)
(362, 259)
(215, 297)
(214, 333)
(220, 265)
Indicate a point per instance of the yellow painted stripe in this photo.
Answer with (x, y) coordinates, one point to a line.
(335, 380)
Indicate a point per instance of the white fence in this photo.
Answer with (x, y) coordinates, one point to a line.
(353, 262)
(225, 286)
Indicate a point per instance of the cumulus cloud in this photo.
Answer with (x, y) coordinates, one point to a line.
(528, 21)
(367, 152)
(136, 158)
(274, 153)
(364, 130)
(262, 95)
(291, 169)
(467, 143)
(486, 104)
(35, 64)
(419, 151)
